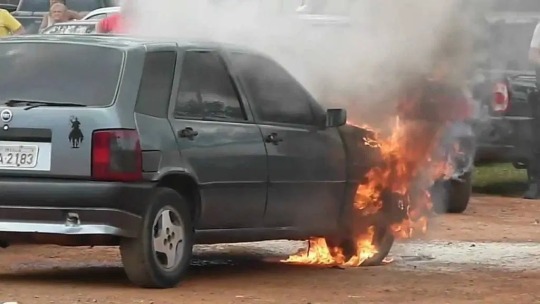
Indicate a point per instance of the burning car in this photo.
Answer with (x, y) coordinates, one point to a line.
(425, 163)
(159, 145)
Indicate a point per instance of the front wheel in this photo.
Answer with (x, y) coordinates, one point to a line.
(160, 256)
(383, 240)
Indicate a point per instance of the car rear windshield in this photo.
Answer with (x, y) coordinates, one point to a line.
(58, 72)
(76, 5)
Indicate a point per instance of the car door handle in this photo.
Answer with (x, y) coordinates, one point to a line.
(188, 133)
(273, 138)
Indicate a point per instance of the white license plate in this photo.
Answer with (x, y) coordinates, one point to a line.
(18, 156)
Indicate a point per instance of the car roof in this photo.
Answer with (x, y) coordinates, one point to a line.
(123, 41)
(75, 22)
(512, 17)
(319, 19)
(103, 10)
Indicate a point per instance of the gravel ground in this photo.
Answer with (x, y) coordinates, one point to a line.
(490, 254)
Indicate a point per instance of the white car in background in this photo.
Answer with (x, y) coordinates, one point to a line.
(304, 11)
(78, 27)
(101, 13)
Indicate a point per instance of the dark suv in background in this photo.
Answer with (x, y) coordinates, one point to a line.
(504, 81)
(31, 12)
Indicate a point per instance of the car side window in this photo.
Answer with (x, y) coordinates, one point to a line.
(207, 91)
(276, 96)
(156, 83)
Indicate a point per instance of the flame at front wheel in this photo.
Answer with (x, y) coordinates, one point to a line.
(319, 252)
(393, 203)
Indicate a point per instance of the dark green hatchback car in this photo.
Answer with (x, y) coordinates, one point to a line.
(157, 145)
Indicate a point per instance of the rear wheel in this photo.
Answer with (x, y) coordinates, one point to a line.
(453, 196)
(160, 256)
(460, 194)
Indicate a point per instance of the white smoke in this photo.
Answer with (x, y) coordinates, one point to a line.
(372, 49)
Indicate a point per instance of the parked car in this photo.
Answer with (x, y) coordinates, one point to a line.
(101, 13)
(30, 12)
(157, 145)
(445, 108)
(6, 5)
(504, 82)
(506, 91)
(72, 27)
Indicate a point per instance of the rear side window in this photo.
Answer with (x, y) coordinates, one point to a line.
(156, 83)
(276, 96)
(206, 89)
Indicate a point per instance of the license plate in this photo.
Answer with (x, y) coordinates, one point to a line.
(18, 156)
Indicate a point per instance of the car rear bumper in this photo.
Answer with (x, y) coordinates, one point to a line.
(495, 152)
(67, 207)
(506, 139)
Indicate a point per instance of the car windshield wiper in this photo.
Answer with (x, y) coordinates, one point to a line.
(34, 104)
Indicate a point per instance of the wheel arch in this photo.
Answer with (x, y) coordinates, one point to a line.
(187, 186)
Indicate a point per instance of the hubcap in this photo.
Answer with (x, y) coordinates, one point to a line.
(168, 236)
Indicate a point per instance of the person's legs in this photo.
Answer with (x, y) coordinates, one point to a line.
(533, 166)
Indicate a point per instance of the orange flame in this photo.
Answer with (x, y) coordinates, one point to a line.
(319, 253)
(407, 170)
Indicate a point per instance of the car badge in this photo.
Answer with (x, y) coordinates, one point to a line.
(6, 115)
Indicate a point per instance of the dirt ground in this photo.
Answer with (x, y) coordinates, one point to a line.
(49, 274)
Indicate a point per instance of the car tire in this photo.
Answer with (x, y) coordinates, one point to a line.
(454, 197)
(383, 240)
(150, 260)
(460, 194)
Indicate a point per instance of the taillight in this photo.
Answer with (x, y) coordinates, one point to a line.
(500, 99)
(116, 155)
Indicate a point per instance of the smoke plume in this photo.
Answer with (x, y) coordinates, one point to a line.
(359, 62)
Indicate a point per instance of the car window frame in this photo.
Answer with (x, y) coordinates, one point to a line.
(176, 88)
(93, 17)
(310, 100)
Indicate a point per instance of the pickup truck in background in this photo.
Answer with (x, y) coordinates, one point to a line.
(30, 12)
(504, 86)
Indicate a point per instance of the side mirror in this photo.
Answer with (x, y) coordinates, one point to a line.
(336, 117)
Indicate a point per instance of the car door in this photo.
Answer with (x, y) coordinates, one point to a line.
(306, 161)
(219, 143)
